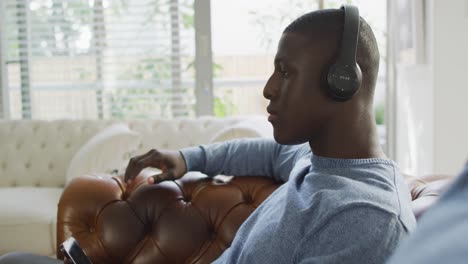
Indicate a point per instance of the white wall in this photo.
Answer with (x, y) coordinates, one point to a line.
(414, 119)
(450, 68)
(432, 98)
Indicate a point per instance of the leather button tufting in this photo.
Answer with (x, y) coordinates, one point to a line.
(213, 234)
(149, 228)
(27, 165)
(169, 223)
(248, 199)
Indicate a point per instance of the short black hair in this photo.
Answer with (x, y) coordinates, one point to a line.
(328, 23)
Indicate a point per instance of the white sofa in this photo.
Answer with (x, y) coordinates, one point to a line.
(36, 156)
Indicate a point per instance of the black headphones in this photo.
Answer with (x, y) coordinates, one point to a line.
(344, 76)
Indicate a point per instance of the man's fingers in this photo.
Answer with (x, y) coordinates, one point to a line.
(137, 164)
(165, 176)
(128, 171)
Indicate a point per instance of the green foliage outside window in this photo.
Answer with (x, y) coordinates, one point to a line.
(380, 114)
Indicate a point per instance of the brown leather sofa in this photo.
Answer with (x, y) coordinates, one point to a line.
(192, 220)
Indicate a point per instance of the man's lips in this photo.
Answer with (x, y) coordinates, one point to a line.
(273, 114)
(271, 111)
(272, 118)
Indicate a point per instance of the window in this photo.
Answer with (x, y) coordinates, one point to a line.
(98, 59)
(137, 58)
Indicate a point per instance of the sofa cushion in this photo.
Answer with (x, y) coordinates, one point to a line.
(107, 151)
(255, 127)
(28, 219)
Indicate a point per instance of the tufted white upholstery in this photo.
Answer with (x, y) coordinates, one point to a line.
(37, 153)
(34, 155)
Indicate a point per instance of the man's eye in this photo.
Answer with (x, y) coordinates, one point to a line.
(284, 73)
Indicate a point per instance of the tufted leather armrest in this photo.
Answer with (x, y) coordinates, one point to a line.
(192, 220)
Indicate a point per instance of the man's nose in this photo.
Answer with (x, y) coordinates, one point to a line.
(270, 91)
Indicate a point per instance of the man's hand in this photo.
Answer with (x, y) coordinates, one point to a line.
(171, 163)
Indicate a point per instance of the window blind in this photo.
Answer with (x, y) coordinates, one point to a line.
(98, 58)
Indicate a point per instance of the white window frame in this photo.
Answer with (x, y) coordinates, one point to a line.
(203, 58)
(4, 91)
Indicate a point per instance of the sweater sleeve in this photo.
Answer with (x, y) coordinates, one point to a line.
(240, 157)
(356, 235)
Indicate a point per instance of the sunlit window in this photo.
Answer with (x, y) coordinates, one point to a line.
(137, 59)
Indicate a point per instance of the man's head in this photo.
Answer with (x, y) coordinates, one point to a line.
(301, 107)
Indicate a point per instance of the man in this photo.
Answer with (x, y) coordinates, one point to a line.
(346, 202)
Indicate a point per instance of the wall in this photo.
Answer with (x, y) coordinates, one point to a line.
(414, 119)
(450, 67)
(432, 98)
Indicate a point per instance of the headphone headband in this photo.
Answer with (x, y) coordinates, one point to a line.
(344, 76)
(350, 35)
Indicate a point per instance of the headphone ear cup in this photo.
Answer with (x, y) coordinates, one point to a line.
(343, 81)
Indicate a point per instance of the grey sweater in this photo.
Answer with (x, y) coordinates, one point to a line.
(328, 211)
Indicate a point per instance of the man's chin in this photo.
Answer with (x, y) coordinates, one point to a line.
(286, 139)
(282, 139)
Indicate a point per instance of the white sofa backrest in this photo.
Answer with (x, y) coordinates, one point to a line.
(37, 153)
(176, 134)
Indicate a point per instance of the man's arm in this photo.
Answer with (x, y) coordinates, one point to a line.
(240, 157)
(356, 235)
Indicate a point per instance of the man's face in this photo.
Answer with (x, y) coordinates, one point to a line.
(299, 107)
